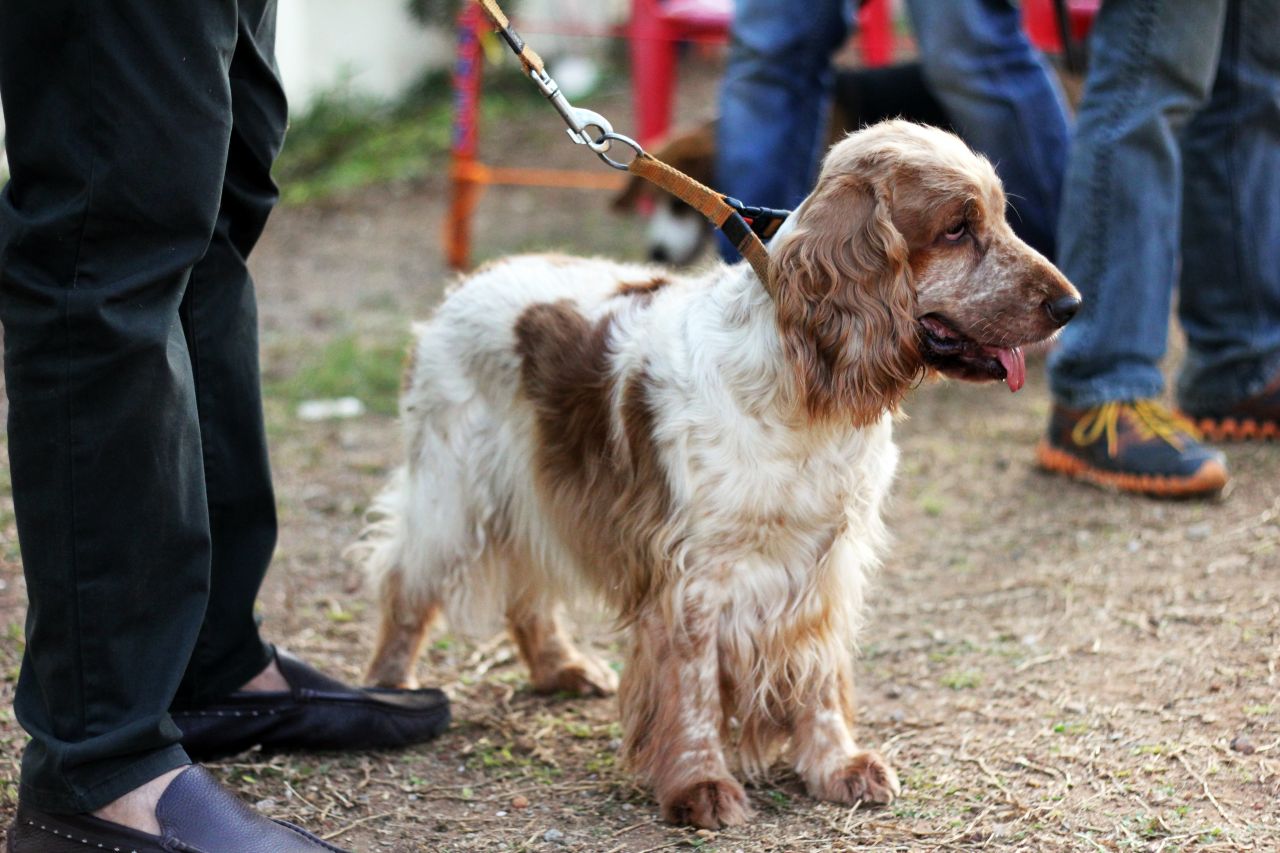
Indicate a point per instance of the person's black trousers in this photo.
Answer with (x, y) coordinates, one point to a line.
(140, 138)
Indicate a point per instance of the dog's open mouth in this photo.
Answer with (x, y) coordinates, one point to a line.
(953, 353)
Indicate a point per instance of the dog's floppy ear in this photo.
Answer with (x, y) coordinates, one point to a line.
(846, 303)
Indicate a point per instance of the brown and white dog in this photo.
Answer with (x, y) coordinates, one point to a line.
(708, 459)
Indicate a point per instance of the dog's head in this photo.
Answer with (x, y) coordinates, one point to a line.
(900, 262)
(676, 234)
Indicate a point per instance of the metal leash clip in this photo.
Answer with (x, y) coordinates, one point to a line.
(582, 122)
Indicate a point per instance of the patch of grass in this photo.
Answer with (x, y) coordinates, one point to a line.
(348, 367)
(579, 730)
(933, 505)
(1074, 728)
(501, 760)
(963, 647)
(962, 679)
(910, 810)
(491, 756)
(1150, 826)
(778, 799)
(337, 614)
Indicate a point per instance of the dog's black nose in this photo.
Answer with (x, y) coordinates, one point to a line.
(1062, 309)
(659, 255)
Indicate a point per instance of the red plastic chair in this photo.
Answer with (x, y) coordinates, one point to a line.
(658, 26)
(653, 34)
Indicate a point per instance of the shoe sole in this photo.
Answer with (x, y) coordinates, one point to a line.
(1208, 480)
(1231, 429)
(46, 835)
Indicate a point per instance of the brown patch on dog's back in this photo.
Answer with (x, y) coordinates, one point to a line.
(604, 487)
(564, 371)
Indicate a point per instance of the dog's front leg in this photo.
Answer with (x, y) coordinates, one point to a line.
(674, 720)
(826, 755)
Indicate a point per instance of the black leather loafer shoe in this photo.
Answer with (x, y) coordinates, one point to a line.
(195, 813)
(316, 713)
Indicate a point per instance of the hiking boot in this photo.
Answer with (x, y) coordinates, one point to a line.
(1255, 418)
(1137, 446)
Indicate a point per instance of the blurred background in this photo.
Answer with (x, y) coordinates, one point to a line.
(375, 101)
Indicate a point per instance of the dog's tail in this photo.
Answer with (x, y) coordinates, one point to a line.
(381, 546)
(427, 533)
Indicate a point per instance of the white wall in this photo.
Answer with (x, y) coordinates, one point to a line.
(375, 47)
(545, 17)
(370, 47)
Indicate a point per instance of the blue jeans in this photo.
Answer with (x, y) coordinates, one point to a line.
(994, 86)
(1177, 155)
(774, 99)
(1002, 98)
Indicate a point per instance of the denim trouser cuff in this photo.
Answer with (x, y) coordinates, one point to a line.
(1204, 390)
(1087, 396)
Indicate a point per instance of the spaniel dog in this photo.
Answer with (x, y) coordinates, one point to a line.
(707, 455)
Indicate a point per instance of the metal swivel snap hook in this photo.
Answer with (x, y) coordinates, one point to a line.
(580, 121)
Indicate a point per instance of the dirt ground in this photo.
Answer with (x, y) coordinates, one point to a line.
(1049, 667)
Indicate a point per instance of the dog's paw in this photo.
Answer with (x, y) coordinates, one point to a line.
(709, 804)
(394, 678)
(582, 676)
(866, 778)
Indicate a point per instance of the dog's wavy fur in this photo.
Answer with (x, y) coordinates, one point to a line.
(709, 461)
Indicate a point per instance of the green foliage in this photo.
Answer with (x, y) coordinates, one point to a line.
(346, 141)
(348, 367)
(962, 679)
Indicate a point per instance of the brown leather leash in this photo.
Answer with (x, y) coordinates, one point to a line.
(743, 225)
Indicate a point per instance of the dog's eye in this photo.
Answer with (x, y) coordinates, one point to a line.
(955, 232)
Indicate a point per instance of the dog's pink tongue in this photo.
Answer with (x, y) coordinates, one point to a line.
(1015, 366)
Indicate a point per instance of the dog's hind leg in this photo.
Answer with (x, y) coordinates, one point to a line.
(406, 622)
(555, 664)
(826, 756)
